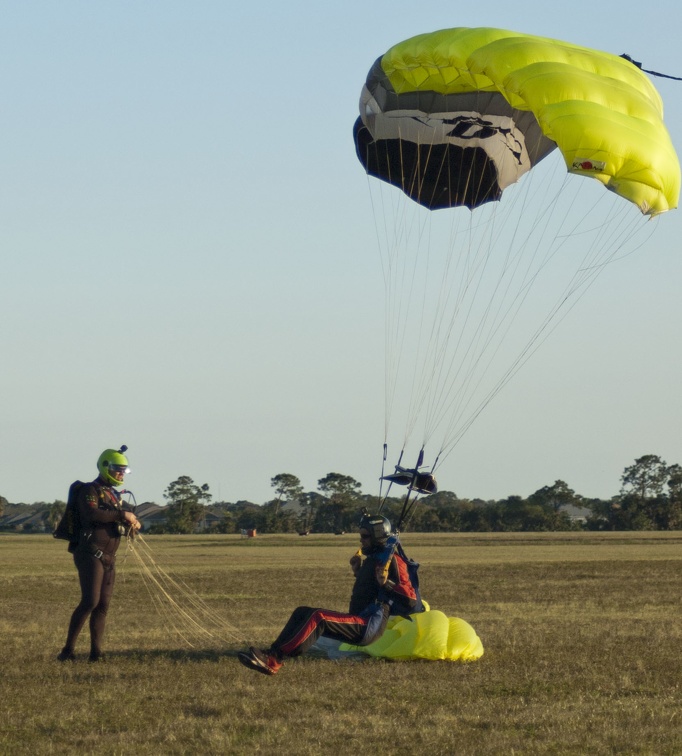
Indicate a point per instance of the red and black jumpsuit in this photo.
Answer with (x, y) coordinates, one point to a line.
(370, 606)
(100, 514)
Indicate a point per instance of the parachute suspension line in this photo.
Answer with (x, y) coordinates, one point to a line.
(457, 418)
(500, 324)
(430, 352)
(473, 261)
(386, 241)
(181, 608)
(603, 250)
(399, 282)
(470, 352)
(415, 401)
(494, 323)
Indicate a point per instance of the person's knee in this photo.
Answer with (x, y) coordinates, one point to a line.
(87, 606)
(302, 611)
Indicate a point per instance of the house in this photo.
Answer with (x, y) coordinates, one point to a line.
(576, 514)
(150, 514)
(26, 522)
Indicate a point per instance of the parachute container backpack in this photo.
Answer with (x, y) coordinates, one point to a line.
(69, 527)
(509, 138)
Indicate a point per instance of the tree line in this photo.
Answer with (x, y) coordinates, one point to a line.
(650, 498)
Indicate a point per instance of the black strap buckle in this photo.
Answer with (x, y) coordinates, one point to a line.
(98, 554)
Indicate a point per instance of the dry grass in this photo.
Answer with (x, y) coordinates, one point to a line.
(582, 632)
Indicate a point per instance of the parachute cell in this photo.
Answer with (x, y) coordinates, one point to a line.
(456, 116)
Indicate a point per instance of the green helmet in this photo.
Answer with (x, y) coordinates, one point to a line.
(111, 460)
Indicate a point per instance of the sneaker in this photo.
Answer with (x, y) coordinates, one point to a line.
(261, 661)
(65, 655)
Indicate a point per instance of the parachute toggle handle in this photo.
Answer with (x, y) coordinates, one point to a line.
(422, 483)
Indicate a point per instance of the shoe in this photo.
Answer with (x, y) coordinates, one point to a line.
(94, 658)
(65, 655)
(261, 661)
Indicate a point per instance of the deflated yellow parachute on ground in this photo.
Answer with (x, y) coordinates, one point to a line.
(430, 635)
(456, 116)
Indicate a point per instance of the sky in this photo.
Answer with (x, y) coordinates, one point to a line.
(189, 265)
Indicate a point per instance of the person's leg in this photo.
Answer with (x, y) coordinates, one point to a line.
(98, 618)
(90, 576)
(307, 624)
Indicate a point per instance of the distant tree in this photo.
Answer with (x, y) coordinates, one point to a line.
(247, 516)
(186, 504)
(651, 496)
(339, 486)
(628, 513)
(675, 497)
(552, 500)
(646, 478)
(449, 510)
(342, 503)
(310, 503)
(54, 514)
(3, 503)
(226, 523)
(288, 489)
(555, 496)
(424, 519)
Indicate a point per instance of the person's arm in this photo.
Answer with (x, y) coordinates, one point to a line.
(91, 513)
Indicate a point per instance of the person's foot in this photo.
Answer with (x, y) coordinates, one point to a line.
(66, 655)
(261, 661)
(96, 657)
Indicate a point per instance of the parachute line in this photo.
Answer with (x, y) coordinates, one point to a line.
(182, 610)
(454, 307)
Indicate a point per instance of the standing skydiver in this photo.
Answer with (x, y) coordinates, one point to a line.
(98, 521)
(382, 588)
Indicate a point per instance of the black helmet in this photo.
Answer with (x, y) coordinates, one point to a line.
(378, 527)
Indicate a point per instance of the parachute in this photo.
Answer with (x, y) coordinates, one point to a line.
(495, 129)
(430, 635)
(456, 116)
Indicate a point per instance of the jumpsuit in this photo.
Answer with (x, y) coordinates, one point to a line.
(365, 621)
(95, 560)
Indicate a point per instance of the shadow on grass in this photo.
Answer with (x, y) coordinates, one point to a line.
(176, 655)
(152, 655)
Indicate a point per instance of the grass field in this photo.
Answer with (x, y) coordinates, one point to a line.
(582, 637)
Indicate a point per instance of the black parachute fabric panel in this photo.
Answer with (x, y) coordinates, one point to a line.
(436, 176)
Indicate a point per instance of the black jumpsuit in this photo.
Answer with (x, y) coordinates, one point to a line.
(95, 560)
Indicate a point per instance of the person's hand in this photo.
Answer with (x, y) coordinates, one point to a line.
(132, 522)
(355, 562)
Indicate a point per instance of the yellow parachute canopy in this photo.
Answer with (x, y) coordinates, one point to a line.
(430, 635)
(455, 116)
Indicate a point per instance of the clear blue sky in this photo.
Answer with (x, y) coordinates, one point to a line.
(188, 262)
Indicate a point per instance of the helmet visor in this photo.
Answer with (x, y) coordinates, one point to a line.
(124, 469)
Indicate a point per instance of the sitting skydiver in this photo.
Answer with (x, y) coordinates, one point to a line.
(382, 587)
(423, 483)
